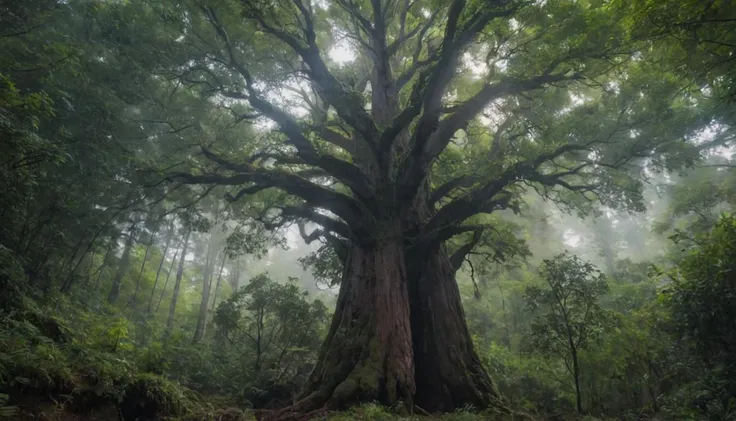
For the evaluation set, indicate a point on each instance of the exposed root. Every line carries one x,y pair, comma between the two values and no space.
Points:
422,411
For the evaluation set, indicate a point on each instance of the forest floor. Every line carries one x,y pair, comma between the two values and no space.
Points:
34,409
47,377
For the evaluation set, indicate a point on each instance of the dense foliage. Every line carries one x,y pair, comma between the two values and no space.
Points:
508,209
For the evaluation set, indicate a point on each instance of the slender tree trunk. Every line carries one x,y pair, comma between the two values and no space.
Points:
368,353
169,237
576,377
177,284
140,273
66,286
259,337
204,303
168,275
505,316
99,231
217,284
110,248
112,297
236,275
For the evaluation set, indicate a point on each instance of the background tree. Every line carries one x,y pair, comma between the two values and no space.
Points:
702,299
571,318
275,328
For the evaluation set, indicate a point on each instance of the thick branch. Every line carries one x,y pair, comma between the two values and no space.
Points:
471,108
447,188
327,223
346,104
482,198
453,45
345,172
338,139
316,195
457,258
340,246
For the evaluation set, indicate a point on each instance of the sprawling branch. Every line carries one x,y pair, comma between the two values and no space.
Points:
472,107
341,205
328,224
416,63
429,145
338,140
463,181
456,39
426,96
345,172
346,104
491,195
457,258
340,246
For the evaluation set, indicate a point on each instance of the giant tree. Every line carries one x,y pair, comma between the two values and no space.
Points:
448,111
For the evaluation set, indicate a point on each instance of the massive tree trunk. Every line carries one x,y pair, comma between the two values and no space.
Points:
399,331
368,352
449,373
376,351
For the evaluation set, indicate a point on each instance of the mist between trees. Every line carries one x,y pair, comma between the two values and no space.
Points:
367,209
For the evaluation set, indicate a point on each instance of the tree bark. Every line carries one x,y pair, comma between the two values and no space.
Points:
177,285
449,373
398,333
368,352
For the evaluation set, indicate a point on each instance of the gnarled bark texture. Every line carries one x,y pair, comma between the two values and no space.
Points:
398,334
449,373
368,352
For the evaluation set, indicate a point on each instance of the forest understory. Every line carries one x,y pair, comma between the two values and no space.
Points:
372,210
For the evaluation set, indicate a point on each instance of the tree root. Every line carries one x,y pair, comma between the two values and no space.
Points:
422,410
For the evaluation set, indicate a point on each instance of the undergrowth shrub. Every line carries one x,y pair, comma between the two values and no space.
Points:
83,359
